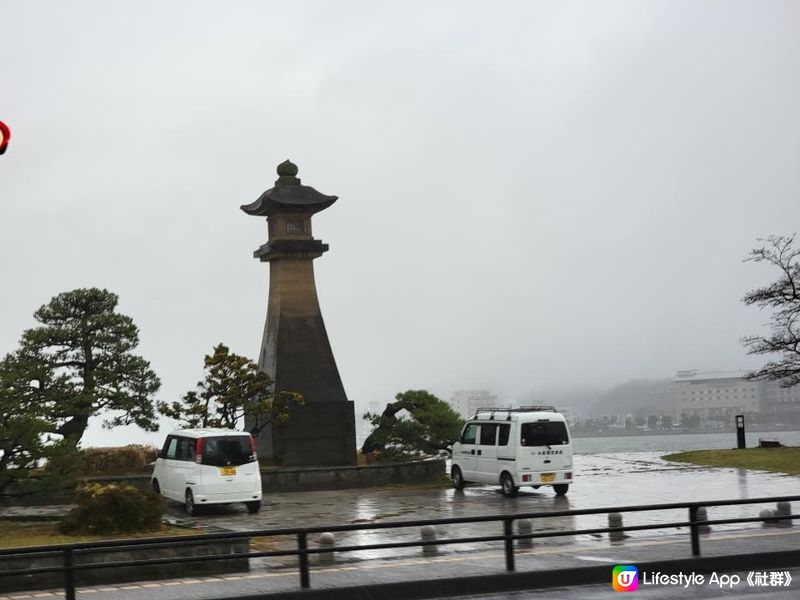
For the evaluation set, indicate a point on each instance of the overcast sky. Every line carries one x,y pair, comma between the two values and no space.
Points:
533,196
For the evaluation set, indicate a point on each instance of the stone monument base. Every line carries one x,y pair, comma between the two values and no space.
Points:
317,434
306,479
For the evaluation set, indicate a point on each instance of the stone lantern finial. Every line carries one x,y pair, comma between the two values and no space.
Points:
287,171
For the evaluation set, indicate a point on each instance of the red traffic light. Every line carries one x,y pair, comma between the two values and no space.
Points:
5,136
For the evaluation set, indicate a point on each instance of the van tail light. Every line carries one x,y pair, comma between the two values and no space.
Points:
253,456
198,450
568,475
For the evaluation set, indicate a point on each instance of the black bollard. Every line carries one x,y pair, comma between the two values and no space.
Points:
740,443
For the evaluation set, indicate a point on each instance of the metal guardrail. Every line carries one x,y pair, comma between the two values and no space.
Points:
302,551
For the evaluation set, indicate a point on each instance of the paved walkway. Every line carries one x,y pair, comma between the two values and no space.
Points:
601,480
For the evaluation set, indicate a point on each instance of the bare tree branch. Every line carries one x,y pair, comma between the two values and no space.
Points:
783,297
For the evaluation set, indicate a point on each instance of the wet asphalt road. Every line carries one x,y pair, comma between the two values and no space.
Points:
601,481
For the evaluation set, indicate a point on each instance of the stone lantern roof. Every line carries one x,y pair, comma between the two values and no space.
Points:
288,195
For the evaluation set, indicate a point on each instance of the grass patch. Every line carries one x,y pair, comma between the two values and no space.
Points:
17,534
779,460
263,544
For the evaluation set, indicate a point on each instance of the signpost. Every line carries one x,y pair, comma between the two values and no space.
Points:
740,443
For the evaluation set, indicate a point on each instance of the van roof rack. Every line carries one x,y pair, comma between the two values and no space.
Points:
521,409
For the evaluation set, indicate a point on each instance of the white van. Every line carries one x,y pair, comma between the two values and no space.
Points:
208,466
526,446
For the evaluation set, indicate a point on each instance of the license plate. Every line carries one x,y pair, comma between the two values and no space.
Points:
547,477
227,471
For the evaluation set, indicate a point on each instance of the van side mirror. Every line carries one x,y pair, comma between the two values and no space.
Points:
160,454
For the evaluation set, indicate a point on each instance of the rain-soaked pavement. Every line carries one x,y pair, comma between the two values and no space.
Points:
601,480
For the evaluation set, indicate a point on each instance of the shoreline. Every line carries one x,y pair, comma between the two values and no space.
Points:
784,459
731,431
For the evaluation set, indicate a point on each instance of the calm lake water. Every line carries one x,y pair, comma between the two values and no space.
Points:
678,442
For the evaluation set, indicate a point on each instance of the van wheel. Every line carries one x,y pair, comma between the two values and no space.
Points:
156,487
561,488
507,483
253,507
191,509
458,478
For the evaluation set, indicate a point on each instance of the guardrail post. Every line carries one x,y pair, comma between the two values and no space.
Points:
617,533
783,510
525,527
768,516
428,534
694,530
508,531
327,541
702,515
69,575
302,555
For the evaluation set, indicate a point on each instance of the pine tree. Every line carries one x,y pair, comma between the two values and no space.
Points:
425,425
83,350
233,394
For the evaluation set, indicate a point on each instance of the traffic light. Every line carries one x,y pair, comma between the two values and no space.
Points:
5,136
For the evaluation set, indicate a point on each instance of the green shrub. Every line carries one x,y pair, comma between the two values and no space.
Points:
122,460
63,469
102,509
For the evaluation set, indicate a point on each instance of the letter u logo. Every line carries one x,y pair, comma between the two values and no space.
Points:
626,578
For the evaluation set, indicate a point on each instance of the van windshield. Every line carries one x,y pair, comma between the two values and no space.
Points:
544,433
226,450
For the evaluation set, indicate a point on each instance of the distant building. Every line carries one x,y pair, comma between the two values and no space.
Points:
466,402
780,404
715,396
569,414
662,397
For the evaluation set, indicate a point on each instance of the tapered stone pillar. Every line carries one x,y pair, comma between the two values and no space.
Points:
295,350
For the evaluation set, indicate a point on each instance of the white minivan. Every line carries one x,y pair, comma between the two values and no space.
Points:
513,447
208,466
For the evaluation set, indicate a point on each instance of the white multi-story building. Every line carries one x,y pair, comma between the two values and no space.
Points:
715,396
466,402
780,403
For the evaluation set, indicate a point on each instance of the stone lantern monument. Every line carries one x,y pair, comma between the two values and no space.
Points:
295,350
